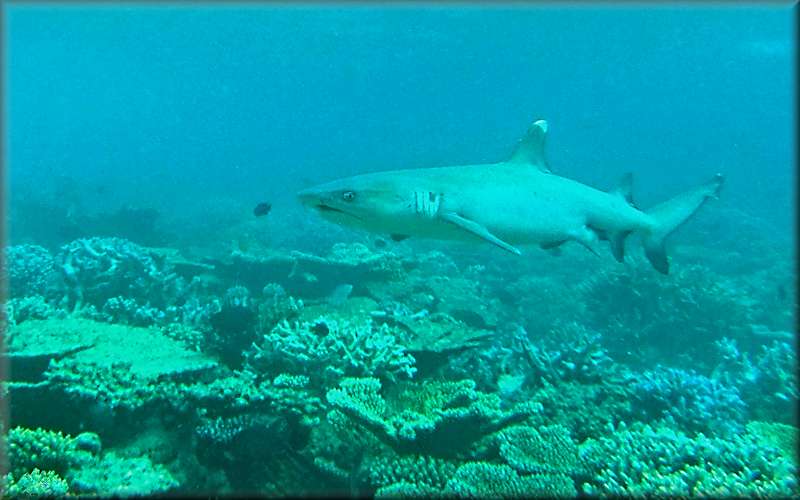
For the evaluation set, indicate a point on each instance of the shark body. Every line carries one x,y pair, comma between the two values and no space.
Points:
511,203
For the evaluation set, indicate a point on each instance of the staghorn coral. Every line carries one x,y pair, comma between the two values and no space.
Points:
438,418
569,352
767,379
643,460
327,350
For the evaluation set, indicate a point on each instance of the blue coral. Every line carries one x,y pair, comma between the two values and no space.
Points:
694,402
645,460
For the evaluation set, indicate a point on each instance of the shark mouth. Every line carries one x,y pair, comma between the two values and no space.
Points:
326,208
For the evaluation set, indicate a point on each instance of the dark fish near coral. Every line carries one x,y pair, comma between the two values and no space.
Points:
262,209
380,243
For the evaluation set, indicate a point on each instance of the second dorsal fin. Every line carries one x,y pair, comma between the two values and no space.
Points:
625,188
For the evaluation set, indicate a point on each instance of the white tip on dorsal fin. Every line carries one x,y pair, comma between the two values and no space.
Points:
530,150
625,188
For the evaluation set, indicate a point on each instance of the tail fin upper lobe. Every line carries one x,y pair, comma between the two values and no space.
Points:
671,214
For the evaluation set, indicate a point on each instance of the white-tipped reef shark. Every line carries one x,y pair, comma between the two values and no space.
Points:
515,202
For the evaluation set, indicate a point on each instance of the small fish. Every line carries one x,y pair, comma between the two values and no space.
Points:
380,243
340,294
262,209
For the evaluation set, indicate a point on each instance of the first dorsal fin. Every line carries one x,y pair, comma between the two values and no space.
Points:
530,150
625,188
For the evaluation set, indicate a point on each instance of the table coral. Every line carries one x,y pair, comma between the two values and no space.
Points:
548,449
486,480
436,418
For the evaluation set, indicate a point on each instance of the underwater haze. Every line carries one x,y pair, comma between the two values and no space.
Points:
177,322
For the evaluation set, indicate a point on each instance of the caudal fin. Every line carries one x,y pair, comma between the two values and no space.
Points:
671,214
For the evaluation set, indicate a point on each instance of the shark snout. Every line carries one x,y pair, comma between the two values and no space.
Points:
309,197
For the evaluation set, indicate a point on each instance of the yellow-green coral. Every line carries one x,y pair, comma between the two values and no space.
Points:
781,436
36,484
30,449
548,449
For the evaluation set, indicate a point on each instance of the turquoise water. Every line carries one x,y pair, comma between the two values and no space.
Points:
163,338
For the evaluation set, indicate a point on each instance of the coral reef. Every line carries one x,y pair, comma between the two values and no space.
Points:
31,271
692,401
395,372
437,418
661,460
48,463
327,350
97,269
485,480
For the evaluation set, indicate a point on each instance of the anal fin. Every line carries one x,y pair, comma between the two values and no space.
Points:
478,230
553,247
617,241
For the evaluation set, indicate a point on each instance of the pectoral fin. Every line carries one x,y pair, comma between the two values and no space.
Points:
478,230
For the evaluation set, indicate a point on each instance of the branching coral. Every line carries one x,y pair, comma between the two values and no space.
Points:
30,449
327,350
659,460
568,352
694,402
767,379
36,484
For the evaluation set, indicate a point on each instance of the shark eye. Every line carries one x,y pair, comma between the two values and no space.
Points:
349,195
